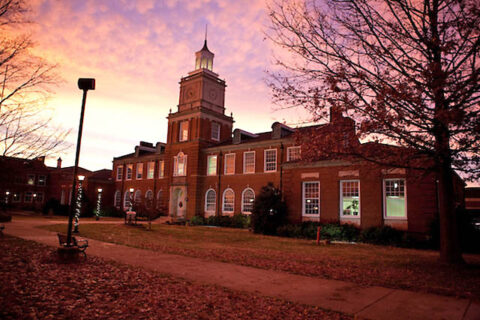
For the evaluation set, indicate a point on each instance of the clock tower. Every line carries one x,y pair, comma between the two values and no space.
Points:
199,122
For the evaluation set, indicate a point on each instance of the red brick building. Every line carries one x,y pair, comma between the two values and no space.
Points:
206,169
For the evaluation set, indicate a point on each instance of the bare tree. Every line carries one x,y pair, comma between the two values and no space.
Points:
25,129
407,71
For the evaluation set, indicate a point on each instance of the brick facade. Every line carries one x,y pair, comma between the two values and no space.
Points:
199,130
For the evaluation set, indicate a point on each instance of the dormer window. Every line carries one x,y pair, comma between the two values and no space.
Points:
183,132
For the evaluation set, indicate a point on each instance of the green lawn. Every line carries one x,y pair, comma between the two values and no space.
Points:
410,269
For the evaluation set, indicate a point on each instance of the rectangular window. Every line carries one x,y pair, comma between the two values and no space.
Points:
17,197
129,171
183,133
249,162
28,197
270,157
139,171
211,165
394,201
180,165
39,197
42,180
150,169
215,131
230,163
293,153
31,179
350,198
119,173
161,169
311,198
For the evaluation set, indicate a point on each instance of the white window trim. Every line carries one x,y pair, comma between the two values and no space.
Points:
303,200
223,201
225,164
158,199
148,167
385,217
243,194
115,199
244,153
215,202
126,200
342,216
161,169
265,160
217,138
138,166
121,173
175,165
216,164
126,172
180,135
290,148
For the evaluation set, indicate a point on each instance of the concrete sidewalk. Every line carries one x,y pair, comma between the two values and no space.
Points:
349,298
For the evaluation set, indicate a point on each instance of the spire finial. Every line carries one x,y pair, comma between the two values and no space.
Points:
206,29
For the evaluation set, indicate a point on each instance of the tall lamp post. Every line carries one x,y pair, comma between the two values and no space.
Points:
84,84
7,193
99,204
78,207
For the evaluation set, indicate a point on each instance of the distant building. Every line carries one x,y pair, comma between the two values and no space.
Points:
29,184
472,199
206,169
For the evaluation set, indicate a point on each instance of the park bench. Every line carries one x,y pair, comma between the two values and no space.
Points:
82,244
2,227
130,217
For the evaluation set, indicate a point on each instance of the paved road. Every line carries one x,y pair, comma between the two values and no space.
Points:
362,302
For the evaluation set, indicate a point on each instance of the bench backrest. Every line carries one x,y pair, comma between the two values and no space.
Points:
63,239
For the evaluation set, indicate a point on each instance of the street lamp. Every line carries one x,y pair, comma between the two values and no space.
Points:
78,207
84,84
7,193
99,204
131,198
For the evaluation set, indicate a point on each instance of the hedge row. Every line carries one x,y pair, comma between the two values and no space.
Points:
235,221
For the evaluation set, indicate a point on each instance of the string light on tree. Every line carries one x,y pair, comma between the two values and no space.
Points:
99,204
78,207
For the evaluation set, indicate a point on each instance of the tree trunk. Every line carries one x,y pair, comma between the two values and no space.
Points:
450,251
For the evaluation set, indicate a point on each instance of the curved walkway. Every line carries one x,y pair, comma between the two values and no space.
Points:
349,298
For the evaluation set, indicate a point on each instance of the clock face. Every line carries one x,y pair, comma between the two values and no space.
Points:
189,93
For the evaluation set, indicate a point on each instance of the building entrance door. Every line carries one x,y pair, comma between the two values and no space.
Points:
178,205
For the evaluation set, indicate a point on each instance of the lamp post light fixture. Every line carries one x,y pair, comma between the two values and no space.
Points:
131,198
78,207
99,204
7,193
84,84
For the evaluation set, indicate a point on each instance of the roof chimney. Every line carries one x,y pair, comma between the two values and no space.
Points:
59,163
335,114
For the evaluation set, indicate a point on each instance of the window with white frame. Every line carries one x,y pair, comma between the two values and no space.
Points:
311,198
394,198
159,199
180,165
149,199
211,165
139,171
248,198
228,201
126,200
249,162
119,173
350,198
210,200
31,179
293,153
270,157
117,200
138,197
150,169
215,131
28,197
183,132
129,171
230,163
161,169
42,180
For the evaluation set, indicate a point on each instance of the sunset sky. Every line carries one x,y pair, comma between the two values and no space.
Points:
138,51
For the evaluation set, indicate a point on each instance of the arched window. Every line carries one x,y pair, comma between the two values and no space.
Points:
228,201
248,197
159,199
210,200
149,199
180,165
138,196
117,200
126,200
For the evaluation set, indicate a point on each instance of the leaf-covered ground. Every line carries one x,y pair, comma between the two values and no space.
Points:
34,285
416,270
